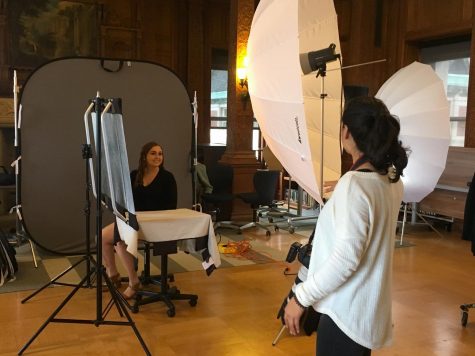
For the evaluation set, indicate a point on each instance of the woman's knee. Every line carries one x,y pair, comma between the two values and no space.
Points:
108,234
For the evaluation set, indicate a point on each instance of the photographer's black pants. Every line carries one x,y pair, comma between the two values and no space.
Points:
334,342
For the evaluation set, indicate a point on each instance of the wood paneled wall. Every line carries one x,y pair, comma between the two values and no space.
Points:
180,34
396,30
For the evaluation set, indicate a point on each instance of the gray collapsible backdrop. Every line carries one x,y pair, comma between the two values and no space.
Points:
156,107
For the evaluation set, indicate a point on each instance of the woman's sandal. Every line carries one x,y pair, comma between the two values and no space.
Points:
135,288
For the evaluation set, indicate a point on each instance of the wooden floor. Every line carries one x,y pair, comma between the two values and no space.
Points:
236,311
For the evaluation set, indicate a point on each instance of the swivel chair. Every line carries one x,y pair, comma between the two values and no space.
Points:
219,203
262,198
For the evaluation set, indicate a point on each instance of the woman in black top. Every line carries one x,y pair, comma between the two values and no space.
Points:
153,188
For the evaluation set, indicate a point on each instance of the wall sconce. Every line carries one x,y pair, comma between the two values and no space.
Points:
242,76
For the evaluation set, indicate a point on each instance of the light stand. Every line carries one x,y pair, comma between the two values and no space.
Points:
317,61
322,72
414,215
194,104
117,300
314,61
310,62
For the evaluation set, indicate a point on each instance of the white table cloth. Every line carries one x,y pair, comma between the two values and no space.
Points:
184,225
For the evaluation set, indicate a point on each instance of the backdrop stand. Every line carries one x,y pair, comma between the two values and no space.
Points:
21,236
99,270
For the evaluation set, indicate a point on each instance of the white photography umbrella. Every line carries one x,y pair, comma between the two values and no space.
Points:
416,95
286,102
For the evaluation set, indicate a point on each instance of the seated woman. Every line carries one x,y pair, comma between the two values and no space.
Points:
153,188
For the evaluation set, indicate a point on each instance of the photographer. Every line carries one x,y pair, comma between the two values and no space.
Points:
349,276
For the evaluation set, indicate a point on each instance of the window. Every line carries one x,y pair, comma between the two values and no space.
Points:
219,97
452,63
219,106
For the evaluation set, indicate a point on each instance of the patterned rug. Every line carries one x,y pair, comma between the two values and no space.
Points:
255,251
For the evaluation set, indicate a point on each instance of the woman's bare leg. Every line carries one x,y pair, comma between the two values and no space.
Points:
108,256
128,262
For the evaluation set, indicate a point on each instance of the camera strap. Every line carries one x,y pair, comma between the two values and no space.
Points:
360,161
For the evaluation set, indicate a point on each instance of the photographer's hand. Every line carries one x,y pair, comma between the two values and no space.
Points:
292,314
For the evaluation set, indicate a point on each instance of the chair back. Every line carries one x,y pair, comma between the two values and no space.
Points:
221,178
265,185
271,160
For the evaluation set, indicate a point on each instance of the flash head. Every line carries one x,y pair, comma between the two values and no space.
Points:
315,60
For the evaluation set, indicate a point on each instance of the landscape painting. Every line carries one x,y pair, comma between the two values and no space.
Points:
43,30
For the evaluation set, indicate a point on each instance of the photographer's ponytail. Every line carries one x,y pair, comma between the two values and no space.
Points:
376,133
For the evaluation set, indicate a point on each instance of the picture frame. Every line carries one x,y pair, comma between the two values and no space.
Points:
43,30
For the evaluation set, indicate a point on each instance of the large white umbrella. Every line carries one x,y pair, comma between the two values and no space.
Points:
416,95
287,103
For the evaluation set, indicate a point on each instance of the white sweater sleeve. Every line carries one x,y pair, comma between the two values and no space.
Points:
351,227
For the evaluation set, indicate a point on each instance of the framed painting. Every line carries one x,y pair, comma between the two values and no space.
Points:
43,30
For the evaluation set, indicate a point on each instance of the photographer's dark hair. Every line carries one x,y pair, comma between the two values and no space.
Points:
376,134
143,162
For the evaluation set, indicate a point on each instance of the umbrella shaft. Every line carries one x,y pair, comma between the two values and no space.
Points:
322,122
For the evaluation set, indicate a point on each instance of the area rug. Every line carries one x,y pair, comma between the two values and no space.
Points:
257,251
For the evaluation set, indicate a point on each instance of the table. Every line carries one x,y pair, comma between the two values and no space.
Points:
159,228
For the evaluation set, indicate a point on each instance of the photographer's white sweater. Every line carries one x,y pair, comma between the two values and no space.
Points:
350,272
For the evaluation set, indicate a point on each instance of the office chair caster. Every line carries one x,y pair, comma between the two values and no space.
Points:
135,306
267,233
171,312
193,302
291,230
276,229
464,310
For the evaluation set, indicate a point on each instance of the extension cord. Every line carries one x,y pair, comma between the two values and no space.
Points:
234,248
227,249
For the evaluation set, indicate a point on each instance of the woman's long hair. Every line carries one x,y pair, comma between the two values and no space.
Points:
143,162
376,134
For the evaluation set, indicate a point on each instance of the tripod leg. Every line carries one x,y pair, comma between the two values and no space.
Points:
51,317
403,223
278,335
54,280
115,295
430,225
123,311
